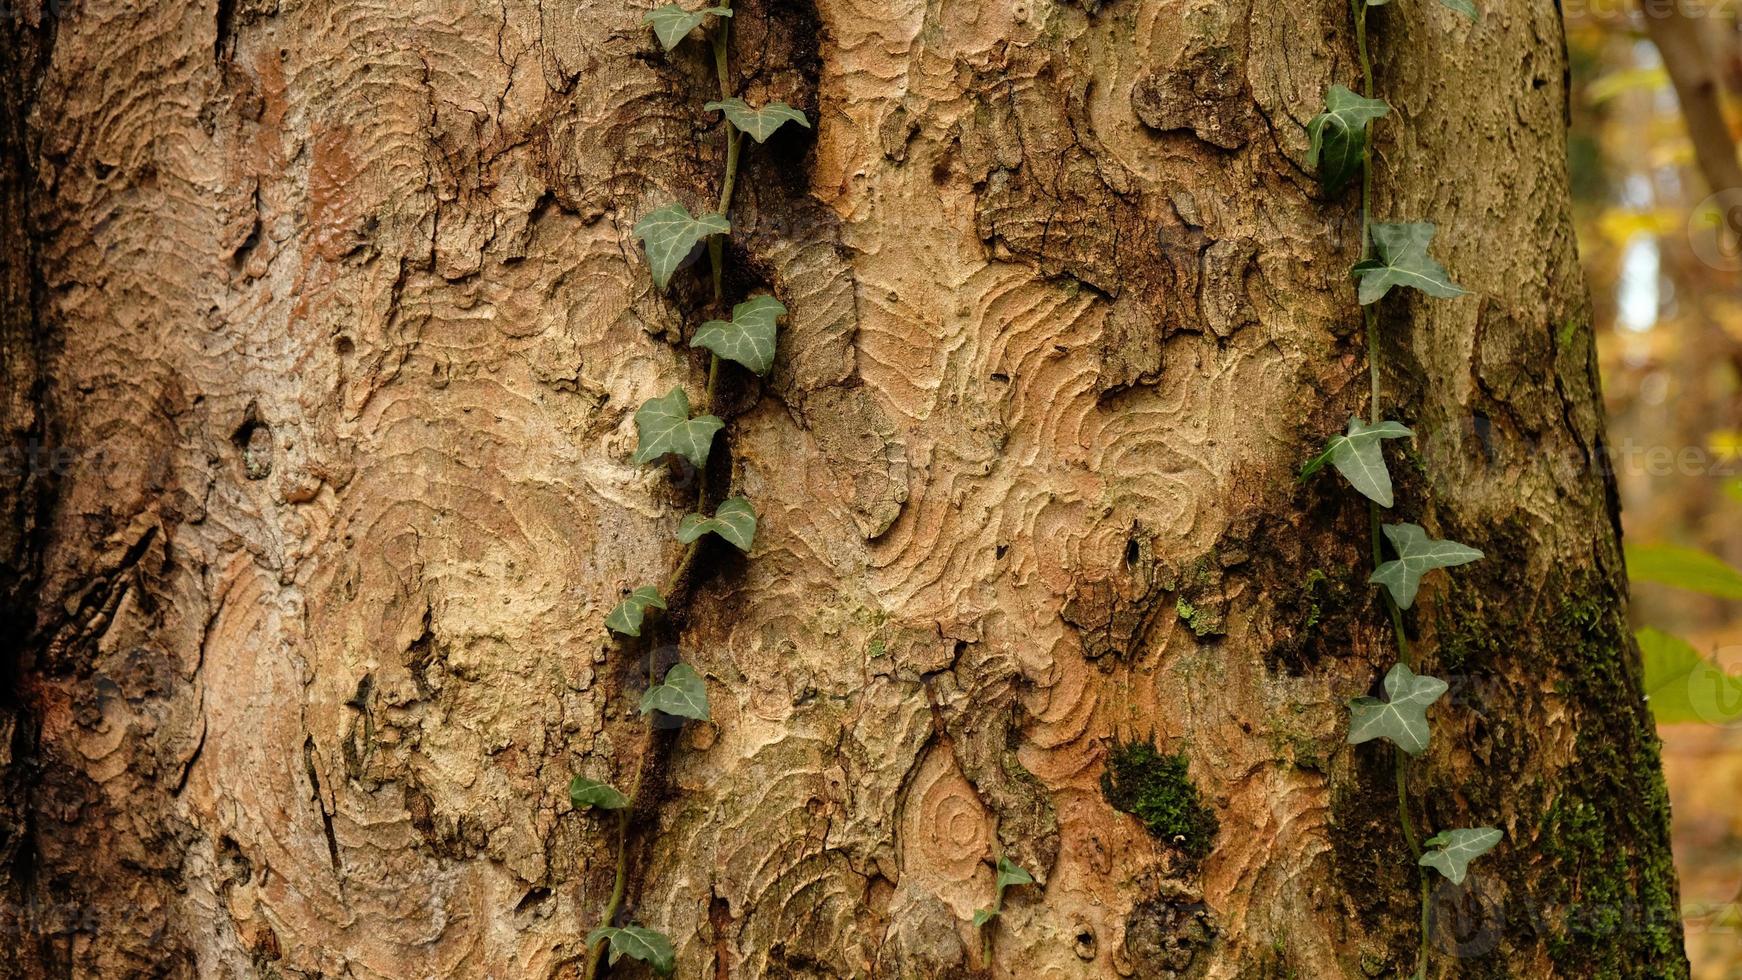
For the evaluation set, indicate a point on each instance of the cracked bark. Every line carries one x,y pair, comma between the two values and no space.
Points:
334,310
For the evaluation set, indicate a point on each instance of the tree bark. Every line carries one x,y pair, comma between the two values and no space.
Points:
335,315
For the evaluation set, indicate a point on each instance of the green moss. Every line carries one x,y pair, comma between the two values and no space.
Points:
1158,790
1202,622
1611,903
1277,965
1187,612
1310,588
1587,865
1298,750
1567,332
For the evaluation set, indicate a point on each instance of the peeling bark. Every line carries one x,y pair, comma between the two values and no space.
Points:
337,315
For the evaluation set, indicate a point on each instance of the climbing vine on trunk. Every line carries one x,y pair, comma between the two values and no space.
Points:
1392,255
669,426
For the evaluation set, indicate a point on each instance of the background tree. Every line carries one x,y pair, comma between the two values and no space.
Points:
336,318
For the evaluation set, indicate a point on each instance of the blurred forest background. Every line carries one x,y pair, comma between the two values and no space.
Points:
1656,119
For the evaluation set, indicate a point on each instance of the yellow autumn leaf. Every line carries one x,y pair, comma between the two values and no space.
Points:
1621,225
1725,444
1627,80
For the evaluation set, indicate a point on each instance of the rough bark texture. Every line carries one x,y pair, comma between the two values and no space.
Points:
24,476
341,329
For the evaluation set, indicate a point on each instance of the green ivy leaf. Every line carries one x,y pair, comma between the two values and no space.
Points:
1402,718
748,338
669,232
584,792
734,520
1684,568
646,945
672,23
1358,456
1339,134
1465,7
1401,259
1457,848
1683,686
1417,554
665,426
683,694
628,615
1010,875
759,123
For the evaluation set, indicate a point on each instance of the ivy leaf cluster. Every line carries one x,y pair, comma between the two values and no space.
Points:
669,233
672,23
1457,848
646,945
1339,136
1392,255
1417,554
1402,717
666,426
761,123
683,694
1357,455
1010,875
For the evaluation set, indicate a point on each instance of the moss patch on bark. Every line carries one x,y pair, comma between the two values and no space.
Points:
1613,901
1599,889
1157,789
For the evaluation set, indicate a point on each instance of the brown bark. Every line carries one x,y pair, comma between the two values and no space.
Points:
348,327
24,483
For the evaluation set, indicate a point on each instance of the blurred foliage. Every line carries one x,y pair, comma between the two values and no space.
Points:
1684,568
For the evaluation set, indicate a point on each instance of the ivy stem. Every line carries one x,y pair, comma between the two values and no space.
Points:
1421,953
722,28
1402,768
620,886
716,256
1376,414
1370,319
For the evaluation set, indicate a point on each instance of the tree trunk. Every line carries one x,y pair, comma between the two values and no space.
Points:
332,319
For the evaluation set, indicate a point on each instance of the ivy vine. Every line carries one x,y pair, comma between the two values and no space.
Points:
1392,256
670,425
1010,875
